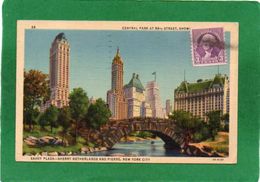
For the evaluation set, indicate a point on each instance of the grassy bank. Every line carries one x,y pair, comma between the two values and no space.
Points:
220,144
38,132
35,150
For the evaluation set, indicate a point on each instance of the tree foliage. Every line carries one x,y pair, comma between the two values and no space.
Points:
36,92
64,120
42,120
186,124
214,118
98,114
31,117
78,105
225,120
51,115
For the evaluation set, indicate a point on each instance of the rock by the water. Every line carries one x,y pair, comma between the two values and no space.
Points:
207,149
32,138
44,153
45,140
62,153
53,154
188,151
215,154
91,149
102,148
84,149
69,153
31,143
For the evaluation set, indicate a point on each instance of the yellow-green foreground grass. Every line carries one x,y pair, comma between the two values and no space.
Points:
38,132
35,150
220,144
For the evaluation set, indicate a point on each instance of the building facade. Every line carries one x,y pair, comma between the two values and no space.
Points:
135,98
115,97
92,100
204,96
168,107
152,97
59,72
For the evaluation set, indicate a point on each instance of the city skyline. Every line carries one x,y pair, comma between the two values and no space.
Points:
142,52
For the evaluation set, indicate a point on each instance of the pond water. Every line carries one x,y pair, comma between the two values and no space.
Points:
149,148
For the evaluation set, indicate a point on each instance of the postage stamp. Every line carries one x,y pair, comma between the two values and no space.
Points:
208,46
126,92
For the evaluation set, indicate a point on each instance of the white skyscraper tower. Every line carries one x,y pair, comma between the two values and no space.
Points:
59,72
152,97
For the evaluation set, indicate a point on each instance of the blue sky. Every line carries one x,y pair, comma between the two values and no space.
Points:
143,52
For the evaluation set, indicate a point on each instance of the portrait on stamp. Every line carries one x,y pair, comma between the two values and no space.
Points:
208,46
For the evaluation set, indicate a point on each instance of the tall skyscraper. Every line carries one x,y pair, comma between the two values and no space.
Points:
135,97
168,107
204,96
59,72
152,97
115,96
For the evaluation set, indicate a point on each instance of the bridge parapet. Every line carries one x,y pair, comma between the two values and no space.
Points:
114,130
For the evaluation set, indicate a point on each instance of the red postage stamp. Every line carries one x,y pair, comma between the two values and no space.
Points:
208,46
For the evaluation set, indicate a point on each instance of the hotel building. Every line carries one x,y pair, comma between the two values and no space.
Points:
59,72
204,96
135,97
115,97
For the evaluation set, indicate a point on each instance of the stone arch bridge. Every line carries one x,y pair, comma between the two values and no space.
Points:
114,130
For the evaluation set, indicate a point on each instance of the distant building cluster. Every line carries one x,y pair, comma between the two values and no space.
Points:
132,100
204,96
135,97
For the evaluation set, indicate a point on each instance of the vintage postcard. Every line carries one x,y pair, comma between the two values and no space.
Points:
127,92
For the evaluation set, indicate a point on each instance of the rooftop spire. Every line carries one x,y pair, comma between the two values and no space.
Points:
117,51
60,36
184,75
117,58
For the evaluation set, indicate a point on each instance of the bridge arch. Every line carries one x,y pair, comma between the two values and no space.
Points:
111,133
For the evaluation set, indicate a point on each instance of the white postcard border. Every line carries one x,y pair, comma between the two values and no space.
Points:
22,25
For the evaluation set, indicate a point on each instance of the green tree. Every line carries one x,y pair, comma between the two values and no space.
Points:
225,117
78,107
42,120
64,120
36,92
214,118
186,125
30,117
51,115
98,114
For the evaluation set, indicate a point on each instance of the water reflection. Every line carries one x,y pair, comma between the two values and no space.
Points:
154,148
